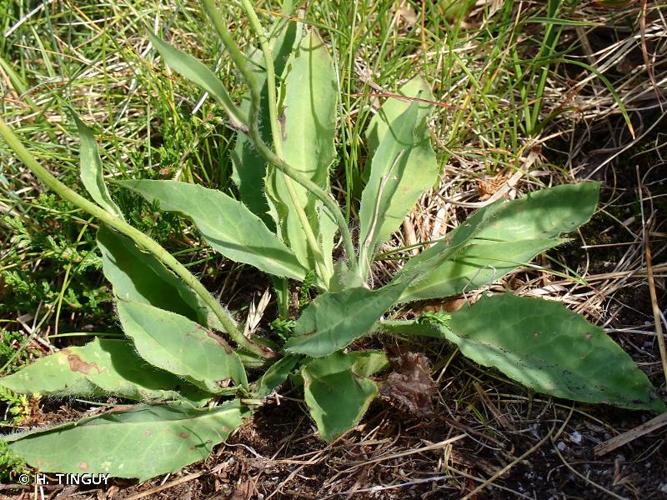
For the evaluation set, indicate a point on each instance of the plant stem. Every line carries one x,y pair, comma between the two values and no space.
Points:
255,98
276,133
137,236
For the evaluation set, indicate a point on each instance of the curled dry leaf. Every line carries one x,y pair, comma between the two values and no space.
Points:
410,387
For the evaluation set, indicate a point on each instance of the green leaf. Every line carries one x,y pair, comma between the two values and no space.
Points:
344,278
336,397
476,265
225,223
195,71
249,166
368,363
308,130
141,443
98,368
335,319
403,165
502,237
550,349
276,375
48,376
180,346
90,169
394,107
139,277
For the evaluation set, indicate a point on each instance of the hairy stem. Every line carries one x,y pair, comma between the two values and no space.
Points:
137,236
276,132
272,157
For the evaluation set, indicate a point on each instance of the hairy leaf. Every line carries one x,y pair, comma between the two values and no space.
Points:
195,71
502,237
225,223
308,129
250,167
403,164
90,169
336,396
548,348
139,277
141,443
100,367
51,375
180,346
344,278
335,319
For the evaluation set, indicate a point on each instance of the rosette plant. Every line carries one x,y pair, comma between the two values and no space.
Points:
183,357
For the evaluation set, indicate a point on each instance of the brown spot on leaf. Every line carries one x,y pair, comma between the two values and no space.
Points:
183,435
83,466
282,120
220,341
76,364
588,336
410,387
121,408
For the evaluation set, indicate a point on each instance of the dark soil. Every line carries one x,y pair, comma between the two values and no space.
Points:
546,447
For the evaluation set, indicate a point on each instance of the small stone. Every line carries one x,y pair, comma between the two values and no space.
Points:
575,437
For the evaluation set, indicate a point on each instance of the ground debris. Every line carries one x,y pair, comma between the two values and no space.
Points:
409,387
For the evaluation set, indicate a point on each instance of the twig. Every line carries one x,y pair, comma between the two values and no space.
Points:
655,307
628,436
592,483
651,279
430,447
502,471
166,486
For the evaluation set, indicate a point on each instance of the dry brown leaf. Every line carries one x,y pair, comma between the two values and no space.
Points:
410,387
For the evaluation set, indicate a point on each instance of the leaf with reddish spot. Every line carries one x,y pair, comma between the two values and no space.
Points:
101,367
